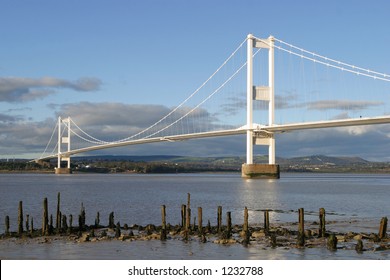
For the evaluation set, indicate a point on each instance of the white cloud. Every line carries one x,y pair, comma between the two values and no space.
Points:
17,89
342,105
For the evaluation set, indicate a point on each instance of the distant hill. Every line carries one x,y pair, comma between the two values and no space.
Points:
127,158
323,160
176,163
321,163
306,160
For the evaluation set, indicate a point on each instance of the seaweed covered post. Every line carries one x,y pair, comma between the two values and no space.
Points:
27,223
20,218
32,226
188,219
97,220
7,225
219,219
383,228
111,223
245,227
266,221
200,221
183,215
188,213
229,224
70,229
45,218
301,228
332,242
64,224
51,225
163,235
322,223
246,216
58,215
118,230
359,246
82,218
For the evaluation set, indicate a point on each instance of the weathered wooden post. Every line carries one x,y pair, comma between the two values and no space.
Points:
7,225
51,225
82,218
359,246
111,222
273,240
229,224
70,229
188,213
188,219
45,218
266,221
27,223
200,221
183,215
245,227
118,230
332,242
20,218
60,222
301,228
219,219
246,224
58,217
322,223
32,226
64,224
97,220
163,235
383,228
80,223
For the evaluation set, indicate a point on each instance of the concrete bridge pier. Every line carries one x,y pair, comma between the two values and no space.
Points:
260,171
63,170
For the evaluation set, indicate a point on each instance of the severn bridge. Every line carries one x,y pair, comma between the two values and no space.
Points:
295,89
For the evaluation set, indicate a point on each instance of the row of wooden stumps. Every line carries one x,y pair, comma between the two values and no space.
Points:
61,225
224,232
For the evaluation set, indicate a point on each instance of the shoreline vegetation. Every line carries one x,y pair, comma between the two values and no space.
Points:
181,164
300,234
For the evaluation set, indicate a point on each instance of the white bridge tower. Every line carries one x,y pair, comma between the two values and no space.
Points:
265,93
63,140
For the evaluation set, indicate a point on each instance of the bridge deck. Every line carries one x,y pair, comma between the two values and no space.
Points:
242,130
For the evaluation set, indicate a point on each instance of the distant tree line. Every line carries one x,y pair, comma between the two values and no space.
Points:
21,166
151,167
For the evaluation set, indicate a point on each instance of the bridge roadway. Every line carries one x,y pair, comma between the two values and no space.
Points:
242,130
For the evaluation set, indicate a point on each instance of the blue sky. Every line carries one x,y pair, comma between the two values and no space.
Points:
68,56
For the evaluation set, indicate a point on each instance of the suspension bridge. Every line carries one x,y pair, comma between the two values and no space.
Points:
257,93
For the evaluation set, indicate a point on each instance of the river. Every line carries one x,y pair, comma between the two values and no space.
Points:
353,202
